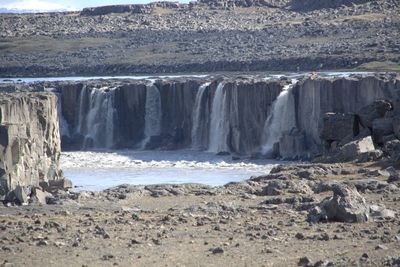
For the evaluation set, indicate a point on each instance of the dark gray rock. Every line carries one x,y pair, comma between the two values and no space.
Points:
380,128
21,195
375,110
337,126
346,205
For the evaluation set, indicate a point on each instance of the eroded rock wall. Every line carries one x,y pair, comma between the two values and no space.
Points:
316,96
29,140
111,114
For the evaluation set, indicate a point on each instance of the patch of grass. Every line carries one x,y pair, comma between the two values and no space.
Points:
363,17
380,66
162,11
47,44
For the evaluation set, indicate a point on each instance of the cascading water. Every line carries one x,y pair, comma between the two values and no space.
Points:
198,123
153,114
281,119
97,125
219,126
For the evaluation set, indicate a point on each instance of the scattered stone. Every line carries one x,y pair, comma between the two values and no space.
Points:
41,243
100,231
217,250
107,257
381,247
304,261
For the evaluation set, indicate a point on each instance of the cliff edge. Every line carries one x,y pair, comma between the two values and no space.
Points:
29,144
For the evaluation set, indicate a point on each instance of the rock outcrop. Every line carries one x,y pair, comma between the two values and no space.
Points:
346,205
29,143
355,101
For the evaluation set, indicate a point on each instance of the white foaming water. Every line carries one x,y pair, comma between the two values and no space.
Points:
81,78
152,114
281,118
197,124
98,170
219,125
97,124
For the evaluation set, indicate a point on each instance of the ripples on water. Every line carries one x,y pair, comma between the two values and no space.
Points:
97,170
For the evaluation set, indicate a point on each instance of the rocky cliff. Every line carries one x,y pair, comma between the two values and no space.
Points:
242,115
314,97
219,115
29,141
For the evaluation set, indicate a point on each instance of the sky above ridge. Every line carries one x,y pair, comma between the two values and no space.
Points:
43,5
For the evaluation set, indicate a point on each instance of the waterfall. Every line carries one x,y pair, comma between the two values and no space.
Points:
281,119
219,126
82,110
152,114
97,125
198,123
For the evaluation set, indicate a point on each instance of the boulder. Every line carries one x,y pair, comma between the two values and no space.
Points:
60,184
392,149
379,211
394,175
380,128
375,110
337,126
21,195
353,150
40,196
346,205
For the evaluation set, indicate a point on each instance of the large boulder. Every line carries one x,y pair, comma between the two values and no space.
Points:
380,128
346,205
373,111
337,126
392,149
353,150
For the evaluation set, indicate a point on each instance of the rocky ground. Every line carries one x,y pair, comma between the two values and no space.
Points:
203,37
306,215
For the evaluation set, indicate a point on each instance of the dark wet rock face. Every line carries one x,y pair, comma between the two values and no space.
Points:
167,114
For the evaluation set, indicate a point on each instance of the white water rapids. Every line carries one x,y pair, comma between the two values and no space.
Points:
98,170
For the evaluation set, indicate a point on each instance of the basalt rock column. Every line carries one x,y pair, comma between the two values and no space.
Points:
29,140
